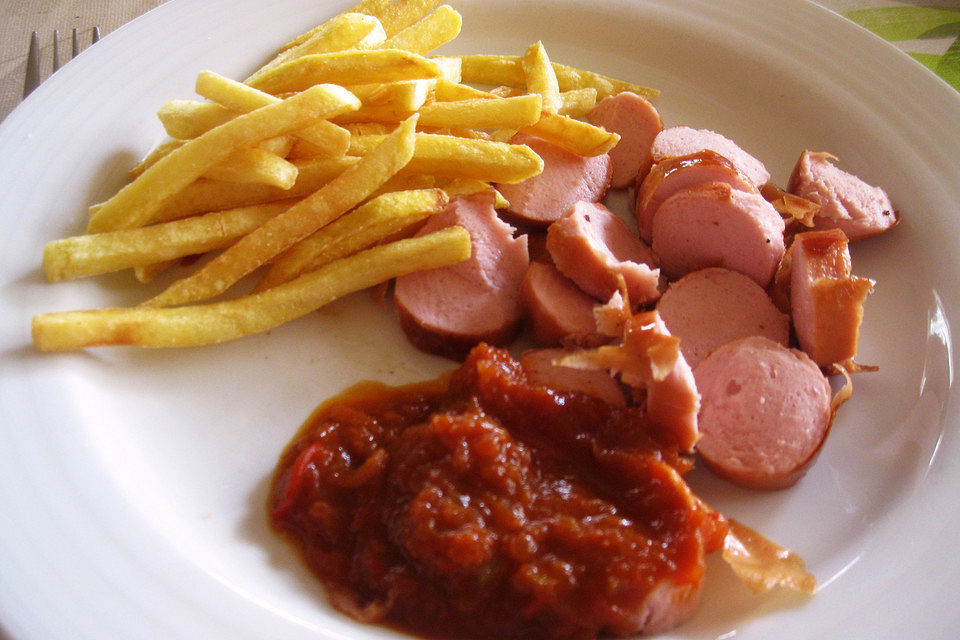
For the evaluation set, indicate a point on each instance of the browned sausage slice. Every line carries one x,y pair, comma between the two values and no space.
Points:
708,308
541,368
555,307
638,123
592,246
448,310
566,178
826,301
682,141
715,225
676,173
765,411
846,202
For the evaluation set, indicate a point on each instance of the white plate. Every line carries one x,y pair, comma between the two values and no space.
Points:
133,483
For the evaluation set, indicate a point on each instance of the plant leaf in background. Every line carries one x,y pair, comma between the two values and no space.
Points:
916,23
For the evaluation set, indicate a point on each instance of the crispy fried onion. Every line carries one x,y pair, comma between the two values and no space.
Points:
762,564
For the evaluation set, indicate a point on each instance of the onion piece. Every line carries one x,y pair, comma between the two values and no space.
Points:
763,564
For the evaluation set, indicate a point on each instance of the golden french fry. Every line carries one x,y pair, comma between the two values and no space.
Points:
187,119
137,203
345,31
147,272
204,196
449,91
239,98
390,102
482,113
540,77
279,233
508,70
449,67
574,135
436,29
347,67
457,157
367,7
254,166
214,323
402,13
466,186
577,102
93,254
280,145
158,152
366,225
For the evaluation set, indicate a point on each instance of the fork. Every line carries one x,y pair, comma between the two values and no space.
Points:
32,80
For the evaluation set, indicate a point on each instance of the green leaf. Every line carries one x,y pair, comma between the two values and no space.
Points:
949,66
929,60
908,23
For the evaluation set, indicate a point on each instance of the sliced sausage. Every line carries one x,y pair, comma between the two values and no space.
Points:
592,246
448,310
682,141
638,123
765,412
682,172
566,178
708,308
846,202
556,308
826,301
715,225
673,403
541,368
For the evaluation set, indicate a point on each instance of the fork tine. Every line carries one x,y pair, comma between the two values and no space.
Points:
33,65
75,45
56,49
96,35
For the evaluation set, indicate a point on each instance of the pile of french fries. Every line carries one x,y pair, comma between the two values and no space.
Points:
315,171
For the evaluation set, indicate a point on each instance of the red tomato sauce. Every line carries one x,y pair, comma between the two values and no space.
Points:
483,506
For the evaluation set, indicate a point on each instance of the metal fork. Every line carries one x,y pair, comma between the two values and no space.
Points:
32,80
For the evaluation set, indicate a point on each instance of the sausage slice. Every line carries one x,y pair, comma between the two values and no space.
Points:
708,308
715,225
555,307
676,173
846,202
566,178
592,246
682,141
638,123
826,301
765,411
541,368
449,310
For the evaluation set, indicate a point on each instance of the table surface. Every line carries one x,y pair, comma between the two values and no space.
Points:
18,18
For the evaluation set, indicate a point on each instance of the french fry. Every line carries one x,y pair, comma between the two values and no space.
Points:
158,152
136,204
574,135
466,186
204,195
346,31
540,77
93,254
368,7
239,98
254,166
390,102
279,233
402,13
214,323
347,67
436,29
365,226
482,113
577,102
456,157
508,70
449,67
187,119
